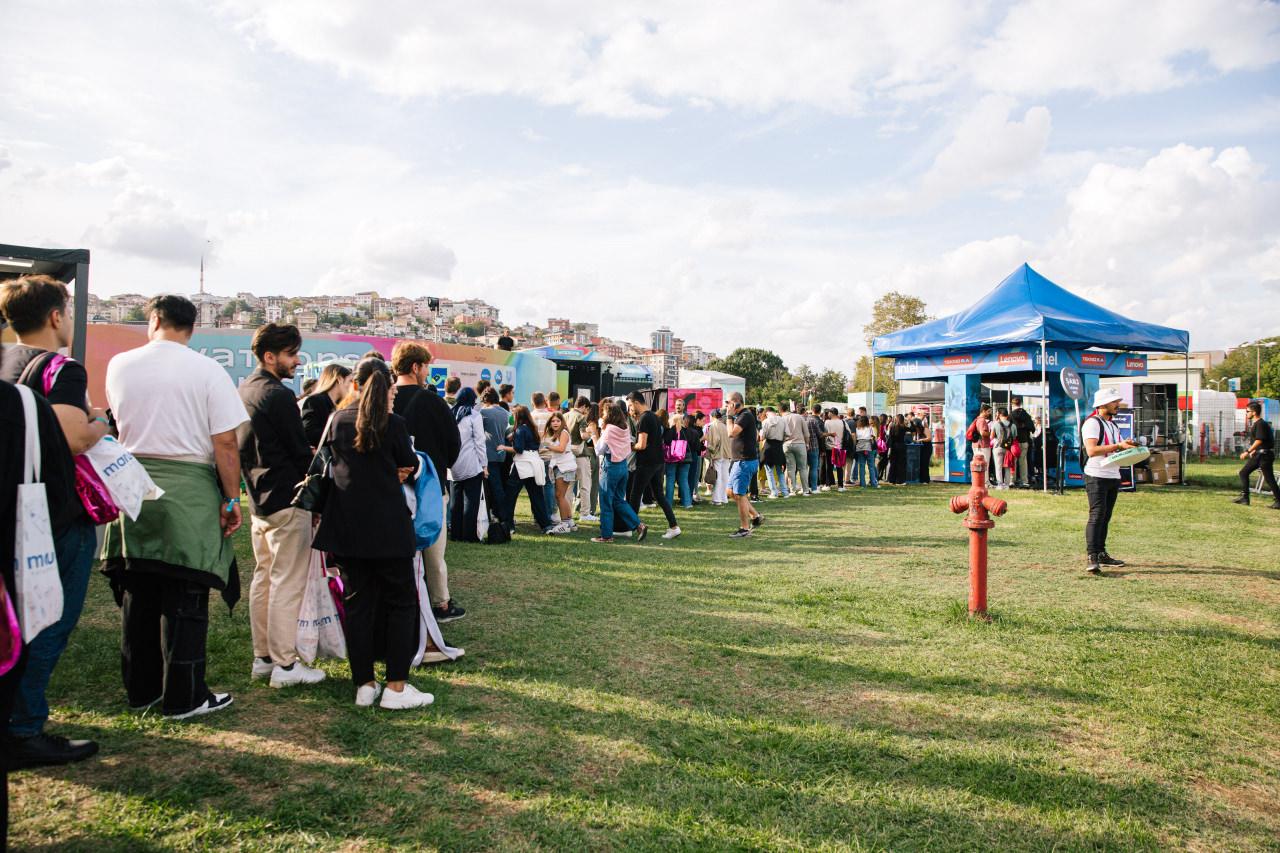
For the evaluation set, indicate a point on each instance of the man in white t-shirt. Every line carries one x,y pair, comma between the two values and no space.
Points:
1101,437
177,411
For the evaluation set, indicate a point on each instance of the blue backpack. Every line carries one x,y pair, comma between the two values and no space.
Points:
427,520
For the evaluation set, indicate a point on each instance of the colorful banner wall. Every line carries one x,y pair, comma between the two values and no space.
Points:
230,348
1020,359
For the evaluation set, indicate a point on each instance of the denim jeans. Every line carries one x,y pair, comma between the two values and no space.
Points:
815,468
694,477
613,499
75,549
496,496
866,462
678,474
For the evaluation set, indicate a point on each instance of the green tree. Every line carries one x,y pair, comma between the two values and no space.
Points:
891,313
758,366
830,385
471,330
135,315
1243,362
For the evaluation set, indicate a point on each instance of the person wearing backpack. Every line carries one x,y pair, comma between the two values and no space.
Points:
35,307
1100,437
1026,428
1001,441
979,435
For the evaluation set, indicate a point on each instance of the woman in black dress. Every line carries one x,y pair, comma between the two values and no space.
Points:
897,441
366,524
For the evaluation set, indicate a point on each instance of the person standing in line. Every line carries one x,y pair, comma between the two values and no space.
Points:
452,386
496,420
366,524
562,468
718,457
773,431
795,449
649,461
525,439
979,434
35,308
897,440
583,432
865,442
274,458
1000,443
1101,482
617,517
815,441
470,468
507,396
323,399
177,412
695,423
1026,430
746,461
834,427
540,412
1259,455
435,433
882,434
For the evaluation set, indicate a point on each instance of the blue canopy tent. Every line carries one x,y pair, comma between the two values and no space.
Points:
1026,309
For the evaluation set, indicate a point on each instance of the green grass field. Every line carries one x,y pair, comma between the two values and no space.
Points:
817,686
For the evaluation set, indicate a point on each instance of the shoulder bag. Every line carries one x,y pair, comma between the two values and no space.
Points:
313,492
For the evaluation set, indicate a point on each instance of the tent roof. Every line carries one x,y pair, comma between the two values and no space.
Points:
29,260
1027,308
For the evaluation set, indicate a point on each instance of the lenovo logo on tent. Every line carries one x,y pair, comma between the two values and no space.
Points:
1093,359
1010,359
1135,364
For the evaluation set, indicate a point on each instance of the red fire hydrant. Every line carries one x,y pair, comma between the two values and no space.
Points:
978,503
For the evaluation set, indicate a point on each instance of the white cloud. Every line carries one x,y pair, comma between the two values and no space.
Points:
145,222
399,259
988,147
1124,48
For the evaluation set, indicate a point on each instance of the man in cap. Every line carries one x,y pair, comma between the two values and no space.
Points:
1101,436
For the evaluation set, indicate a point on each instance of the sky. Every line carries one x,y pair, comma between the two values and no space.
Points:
747,173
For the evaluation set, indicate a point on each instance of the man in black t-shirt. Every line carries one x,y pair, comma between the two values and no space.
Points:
35,307
744,451
650,461
1261,454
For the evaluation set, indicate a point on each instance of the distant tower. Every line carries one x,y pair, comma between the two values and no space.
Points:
202,275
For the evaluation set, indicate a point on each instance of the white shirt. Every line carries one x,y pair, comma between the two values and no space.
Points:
169,399
1105,432
472,457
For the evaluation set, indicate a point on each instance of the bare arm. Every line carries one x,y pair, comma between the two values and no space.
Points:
226,457
81,432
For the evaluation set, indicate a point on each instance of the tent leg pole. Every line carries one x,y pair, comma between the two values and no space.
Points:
1186,422
1046,423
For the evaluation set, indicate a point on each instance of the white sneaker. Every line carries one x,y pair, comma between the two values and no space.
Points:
261,668
588,517
626,534
841,489
215,702
409,697
773,497
367,694
299,673
437,656
672,533
555,517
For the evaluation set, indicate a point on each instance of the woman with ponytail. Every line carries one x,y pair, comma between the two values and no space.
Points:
366,524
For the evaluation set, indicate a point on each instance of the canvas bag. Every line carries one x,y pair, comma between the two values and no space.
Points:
676,450
123,475
320,632
38,586
427,625
92,492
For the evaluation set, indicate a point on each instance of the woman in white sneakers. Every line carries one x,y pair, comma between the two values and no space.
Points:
562,467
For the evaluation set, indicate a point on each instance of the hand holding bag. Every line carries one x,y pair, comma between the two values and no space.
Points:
123,475
320,631
38,584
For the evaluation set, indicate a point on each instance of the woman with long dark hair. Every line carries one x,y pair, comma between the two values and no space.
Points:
366,524
614,449
897,441
469,469
524,471
317,406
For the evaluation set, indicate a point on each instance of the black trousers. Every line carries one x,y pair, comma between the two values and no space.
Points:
1265,460
465,508
1102,492
162,651
650,475
374,589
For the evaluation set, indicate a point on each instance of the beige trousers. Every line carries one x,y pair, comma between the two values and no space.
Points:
282,550
433,560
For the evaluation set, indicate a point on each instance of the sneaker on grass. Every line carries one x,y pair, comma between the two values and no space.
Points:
296,673
757,521
261,668
404,699
447,612
215,702
672,533
740,533
367,694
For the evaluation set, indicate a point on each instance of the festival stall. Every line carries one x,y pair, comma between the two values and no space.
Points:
1026,330
231,349
66,265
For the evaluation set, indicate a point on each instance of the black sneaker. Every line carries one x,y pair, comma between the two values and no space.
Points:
1274,505
1243,500
641,532
1094,567
1105,559
740,533
450,612
757,521
45,750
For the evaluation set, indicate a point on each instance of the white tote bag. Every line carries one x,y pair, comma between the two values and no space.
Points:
38,586
123,475
427,625
482,518
319,628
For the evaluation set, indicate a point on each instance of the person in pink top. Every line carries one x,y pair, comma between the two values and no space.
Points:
614,449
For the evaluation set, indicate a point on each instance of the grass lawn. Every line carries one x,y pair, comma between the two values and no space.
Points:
816,686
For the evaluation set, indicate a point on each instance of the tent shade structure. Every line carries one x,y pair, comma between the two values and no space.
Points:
63,264
1027,329
1024,308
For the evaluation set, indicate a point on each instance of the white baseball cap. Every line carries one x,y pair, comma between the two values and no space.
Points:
1106,395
